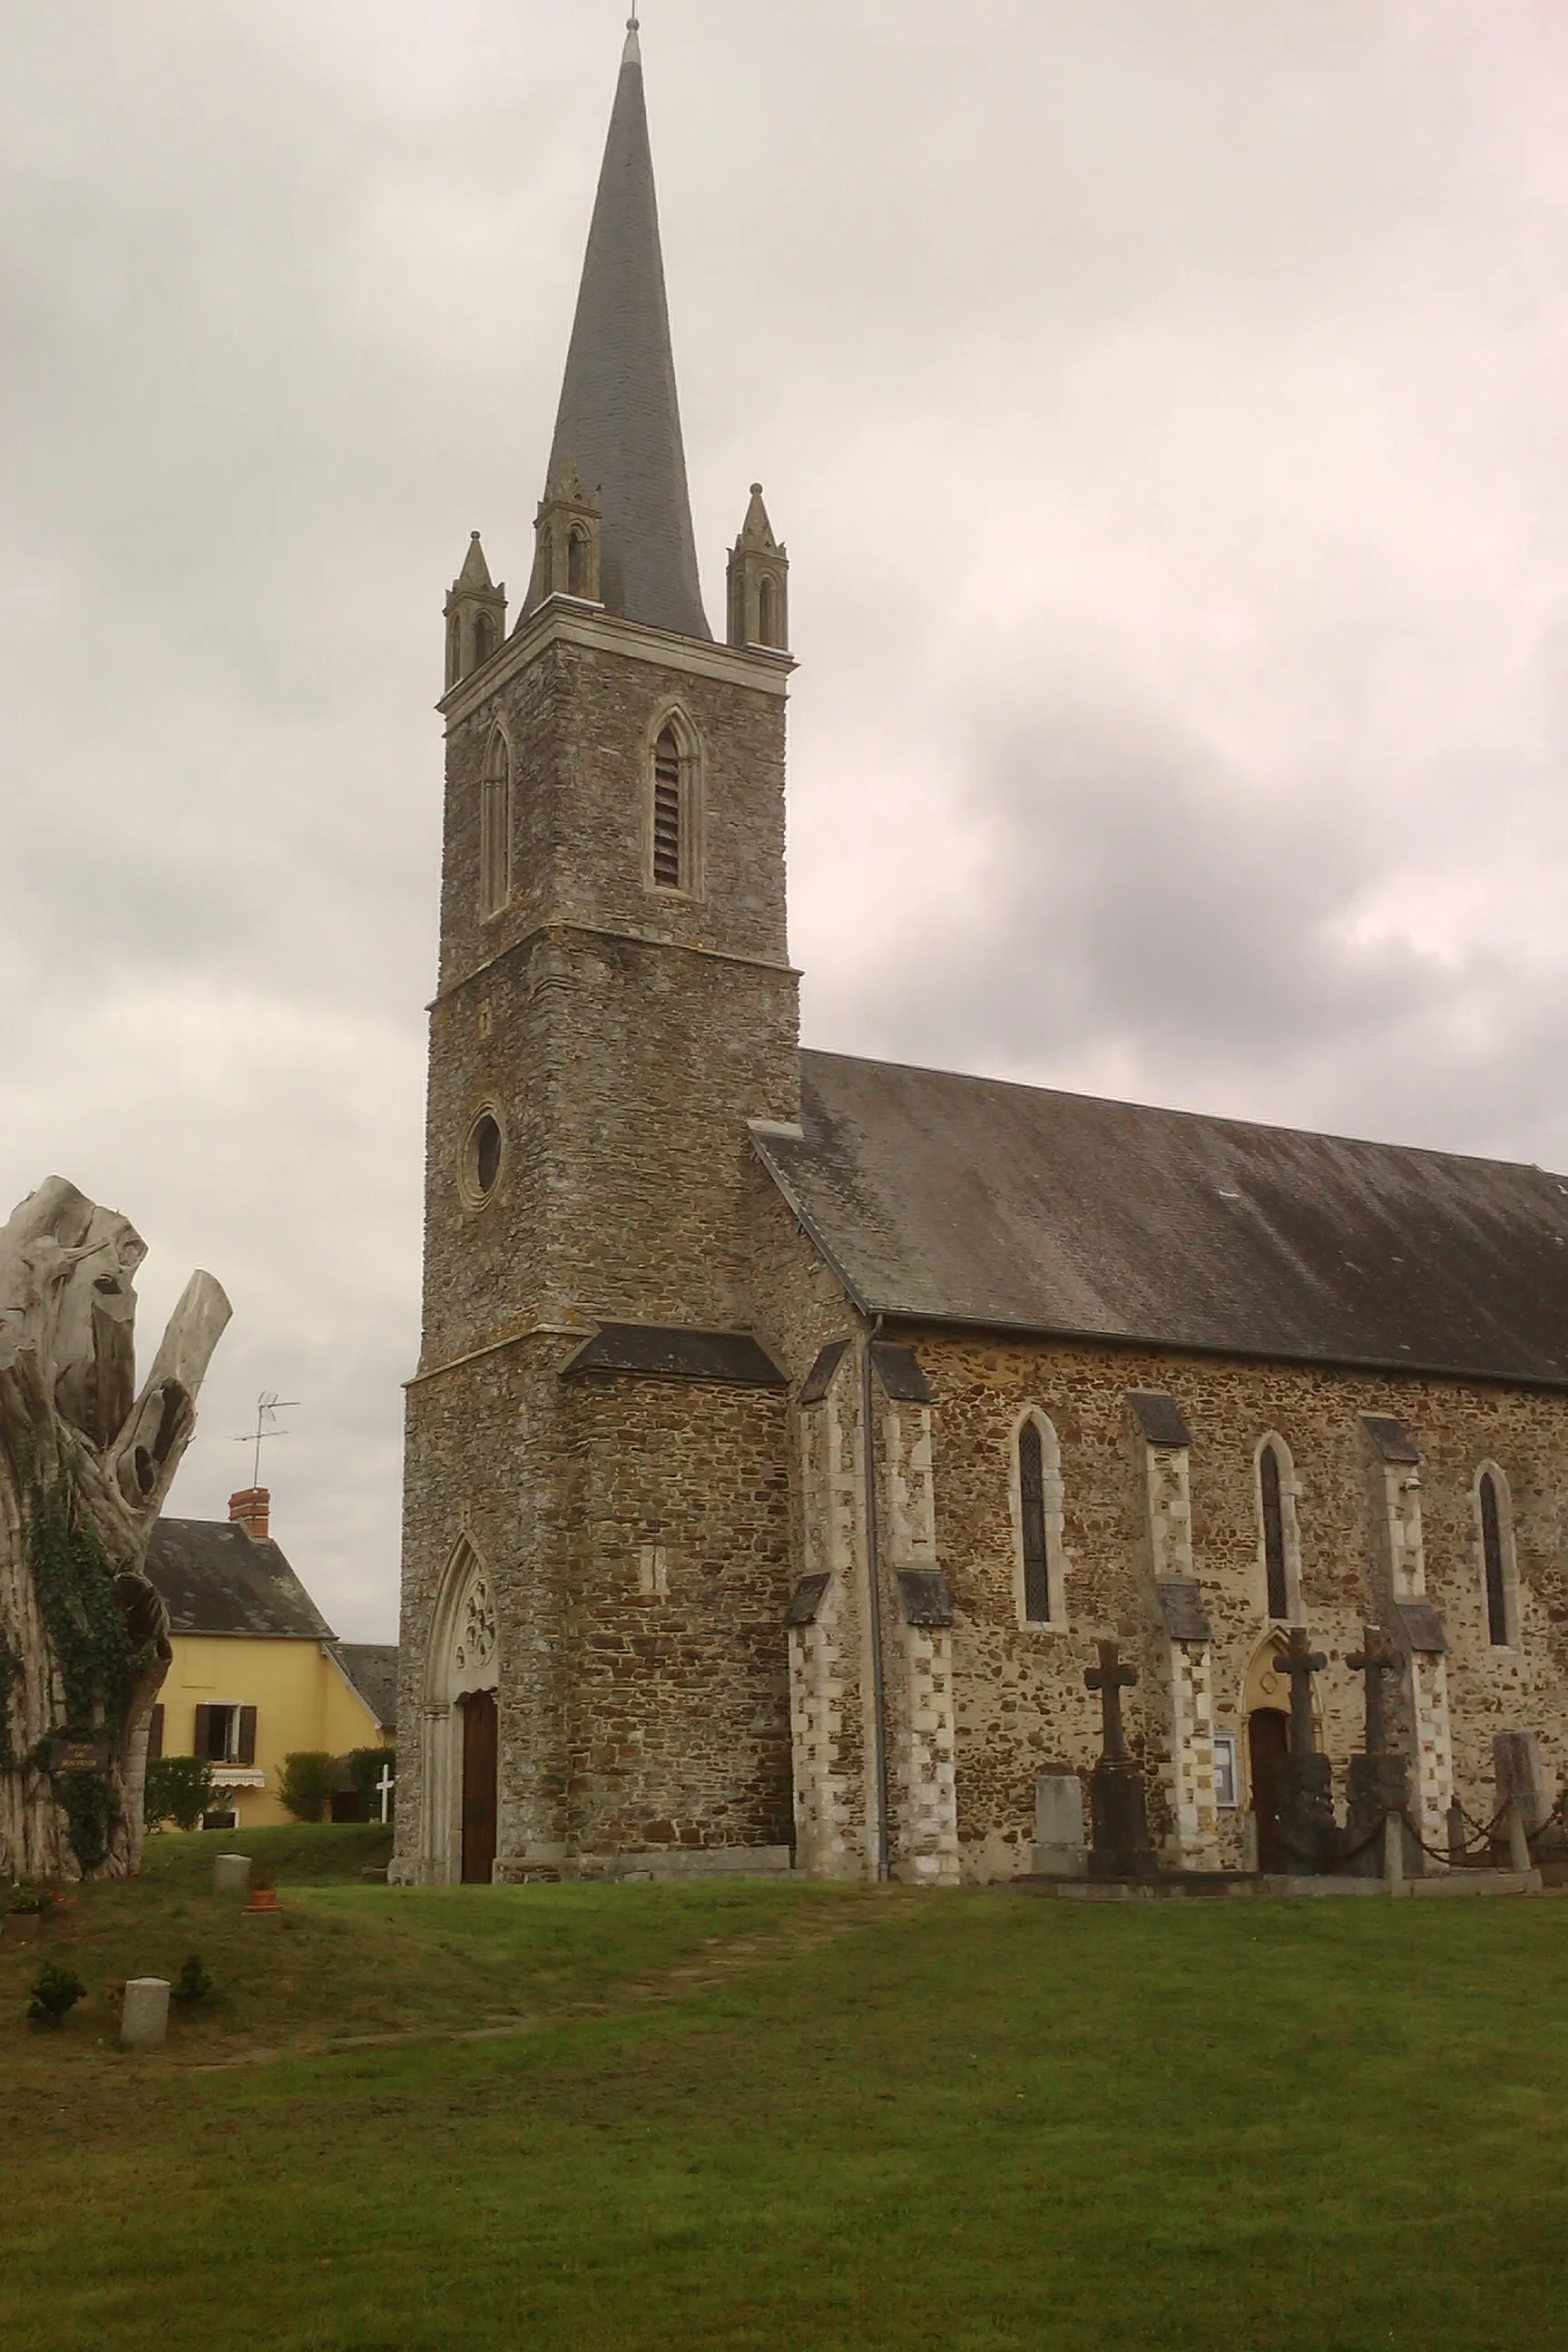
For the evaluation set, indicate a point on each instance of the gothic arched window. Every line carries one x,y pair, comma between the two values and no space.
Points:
495,826
1036,1483
577,565
1273,1511
668,813
1496,1559
1031,1513
483,641
767,612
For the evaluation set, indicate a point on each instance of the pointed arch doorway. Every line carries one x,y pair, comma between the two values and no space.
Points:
1266,1707
1268,1745
482,1753
458,1832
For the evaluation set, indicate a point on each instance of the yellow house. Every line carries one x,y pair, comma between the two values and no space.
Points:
258,1674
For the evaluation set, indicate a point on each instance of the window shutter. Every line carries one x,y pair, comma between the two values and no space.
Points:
204,1738
247,1736
155,1734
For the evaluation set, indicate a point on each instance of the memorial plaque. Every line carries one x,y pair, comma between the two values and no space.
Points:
78,1756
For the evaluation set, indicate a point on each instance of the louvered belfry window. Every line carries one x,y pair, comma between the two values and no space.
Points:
1491,1549
1274,1534
666,812
1032,1509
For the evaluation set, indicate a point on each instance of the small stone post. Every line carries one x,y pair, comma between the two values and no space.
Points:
1249,1841
1394,1855
145,2020
1517,1840
231,1873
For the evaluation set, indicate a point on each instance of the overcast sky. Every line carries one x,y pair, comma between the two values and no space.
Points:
1165,403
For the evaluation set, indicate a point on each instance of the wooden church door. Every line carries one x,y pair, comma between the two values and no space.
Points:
1268,1745
480,1756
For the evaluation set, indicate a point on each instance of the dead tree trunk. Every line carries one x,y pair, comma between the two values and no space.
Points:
85,1465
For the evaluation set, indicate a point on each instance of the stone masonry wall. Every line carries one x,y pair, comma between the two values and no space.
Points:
679,1726
1021,1701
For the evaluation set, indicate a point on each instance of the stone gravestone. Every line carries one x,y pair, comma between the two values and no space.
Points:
1118,1801
1521,1777
1307,1824
144,2021
231,1873
1524,1798
1379,1779
1059,1850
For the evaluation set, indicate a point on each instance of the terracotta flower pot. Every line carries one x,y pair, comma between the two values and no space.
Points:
263,1898
24,1926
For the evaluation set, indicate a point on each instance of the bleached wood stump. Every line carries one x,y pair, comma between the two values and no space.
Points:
85,1463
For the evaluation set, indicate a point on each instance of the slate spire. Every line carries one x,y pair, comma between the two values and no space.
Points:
619,418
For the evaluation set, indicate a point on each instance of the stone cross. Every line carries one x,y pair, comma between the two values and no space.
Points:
1375,1658
1300,1661
1110,1678
384,1788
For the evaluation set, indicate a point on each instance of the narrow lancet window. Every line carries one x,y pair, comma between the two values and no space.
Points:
1032,1510
1491,1554
495,827
1274,1534
667,861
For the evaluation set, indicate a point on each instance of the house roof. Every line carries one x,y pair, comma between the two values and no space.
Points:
215,1578
944,1199
372,1667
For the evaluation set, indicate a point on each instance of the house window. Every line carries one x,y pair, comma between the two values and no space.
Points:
1499,1576
1225,1794
1039,1565
225,1735
155,1734
495,826
668,860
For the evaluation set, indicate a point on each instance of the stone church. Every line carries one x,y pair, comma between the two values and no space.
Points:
789,1427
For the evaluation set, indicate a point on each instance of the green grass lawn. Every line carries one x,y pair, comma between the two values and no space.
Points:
797,2118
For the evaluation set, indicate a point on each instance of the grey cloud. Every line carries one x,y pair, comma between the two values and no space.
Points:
1215,349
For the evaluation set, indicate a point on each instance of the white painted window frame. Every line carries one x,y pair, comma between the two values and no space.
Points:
1055,1493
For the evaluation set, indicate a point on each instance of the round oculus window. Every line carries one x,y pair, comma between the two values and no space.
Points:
482,1158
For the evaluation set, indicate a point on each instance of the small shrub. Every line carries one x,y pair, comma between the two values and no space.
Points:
307,1782
364,1768
179,1789
41,1903
194,1982
55,1991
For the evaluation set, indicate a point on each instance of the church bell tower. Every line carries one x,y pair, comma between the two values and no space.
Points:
614,1003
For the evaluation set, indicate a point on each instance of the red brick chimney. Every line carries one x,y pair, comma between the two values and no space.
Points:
250,1509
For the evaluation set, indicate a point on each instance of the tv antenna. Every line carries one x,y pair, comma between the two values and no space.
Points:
269,1405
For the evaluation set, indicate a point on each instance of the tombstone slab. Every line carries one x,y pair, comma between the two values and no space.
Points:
1059,1850
144,2021
231,1873
1521,1777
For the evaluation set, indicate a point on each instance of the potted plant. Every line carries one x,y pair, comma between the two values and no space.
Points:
25,1919
263,1891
